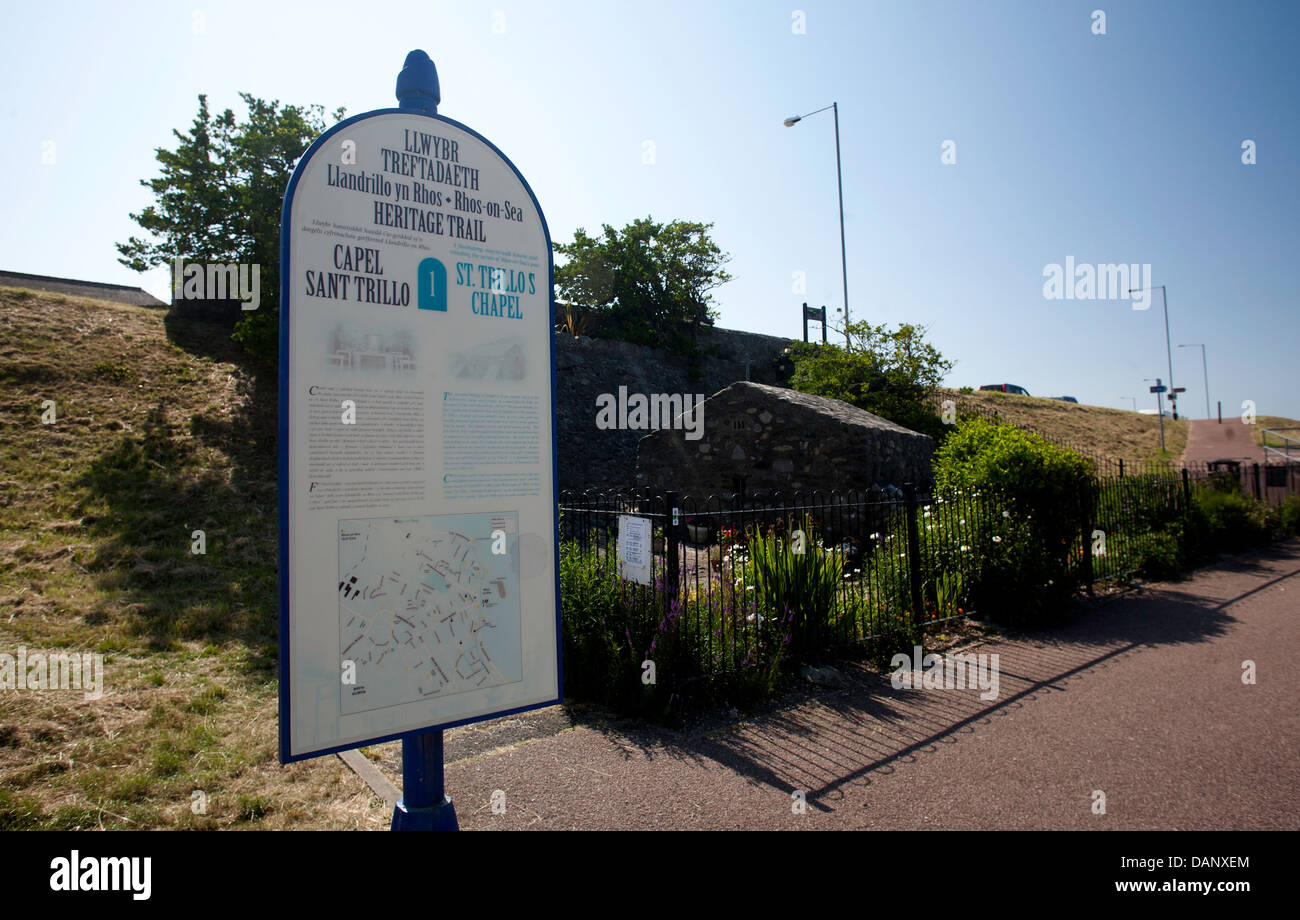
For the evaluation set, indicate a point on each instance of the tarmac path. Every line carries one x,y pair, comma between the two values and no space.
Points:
1208,440
1141,698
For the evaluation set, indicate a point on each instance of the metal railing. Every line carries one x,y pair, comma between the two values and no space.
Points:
739,580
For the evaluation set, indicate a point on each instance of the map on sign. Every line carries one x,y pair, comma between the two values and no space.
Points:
428,607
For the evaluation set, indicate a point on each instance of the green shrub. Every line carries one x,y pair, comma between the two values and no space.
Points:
592,615
1289,514
1162,555
1024,574
1022,550
981,455
1230,522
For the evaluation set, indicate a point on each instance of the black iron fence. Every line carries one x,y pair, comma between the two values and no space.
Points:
736,582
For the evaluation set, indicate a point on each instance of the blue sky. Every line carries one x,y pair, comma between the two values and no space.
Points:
1117,148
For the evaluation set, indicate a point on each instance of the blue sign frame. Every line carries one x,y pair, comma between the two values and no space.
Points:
283,436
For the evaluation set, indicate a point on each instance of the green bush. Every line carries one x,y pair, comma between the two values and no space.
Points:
595,662
1024,575
1229,522
1289,515
1022,555
981,455
1162,555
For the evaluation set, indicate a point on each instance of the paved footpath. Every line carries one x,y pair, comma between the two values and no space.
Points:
1209,440
1141,698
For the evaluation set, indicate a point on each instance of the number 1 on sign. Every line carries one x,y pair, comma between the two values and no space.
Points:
432,285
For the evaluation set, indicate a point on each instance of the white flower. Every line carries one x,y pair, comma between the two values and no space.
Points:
875,536
1006,514
997,539
965,548
962,521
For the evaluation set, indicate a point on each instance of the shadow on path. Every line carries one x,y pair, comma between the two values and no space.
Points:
820,742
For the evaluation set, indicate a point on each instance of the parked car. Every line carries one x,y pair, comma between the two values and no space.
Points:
1006,388
1065,399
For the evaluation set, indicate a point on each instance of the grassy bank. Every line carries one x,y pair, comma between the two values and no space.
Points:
152,439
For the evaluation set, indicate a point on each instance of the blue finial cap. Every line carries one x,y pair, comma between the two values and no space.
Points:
417,84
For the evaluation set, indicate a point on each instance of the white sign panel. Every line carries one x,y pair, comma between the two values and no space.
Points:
634,548
417,481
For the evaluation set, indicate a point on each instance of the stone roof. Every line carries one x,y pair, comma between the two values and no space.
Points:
96,290
838,409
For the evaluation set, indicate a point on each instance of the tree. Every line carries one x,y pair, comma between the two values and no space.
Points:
219,196
892,374
648,283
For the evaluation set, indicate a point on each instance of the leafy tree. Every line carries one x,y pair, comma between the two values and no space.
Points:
892,374
219,196
648,283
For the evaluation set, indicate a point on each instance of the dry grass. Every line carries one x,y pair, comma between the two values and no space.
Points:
152,440
1263,422
1114,433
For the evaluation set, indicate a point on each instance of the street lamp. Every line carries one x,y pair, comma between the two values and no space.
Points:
1169,352
1205,374
839,180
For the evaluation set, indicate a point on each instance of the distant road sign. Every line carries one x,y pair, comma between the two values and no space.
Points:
1160,389
1180,389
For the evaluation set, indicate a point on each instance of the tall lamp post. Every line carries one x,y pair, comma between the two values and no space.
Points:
1205,374
839,180
1169,352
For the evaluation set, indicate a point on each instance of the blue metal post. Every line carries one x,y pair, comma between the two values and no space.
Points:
425,805
417,84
